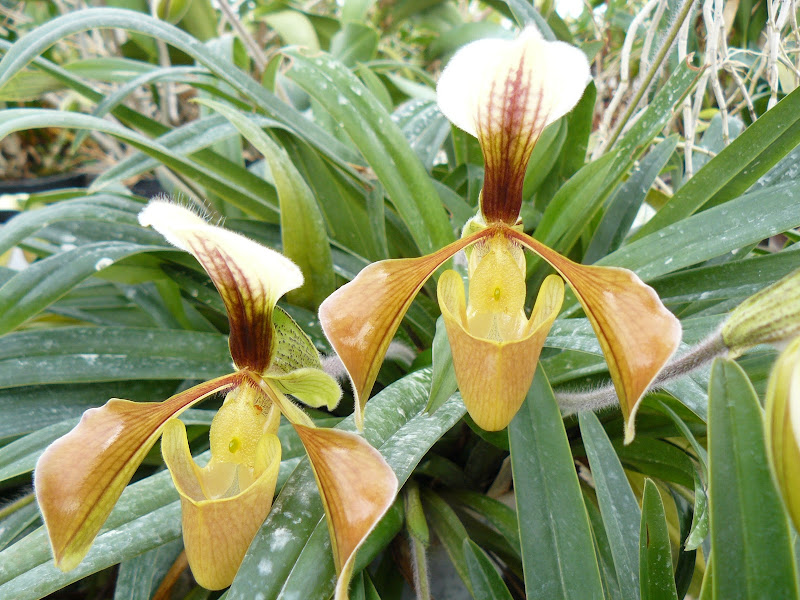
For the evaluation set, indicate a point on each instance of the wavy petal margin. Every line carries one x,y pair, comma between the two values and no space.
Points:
505,92
361,317
493,376
357,487
637,333
81,475
250,277
217,532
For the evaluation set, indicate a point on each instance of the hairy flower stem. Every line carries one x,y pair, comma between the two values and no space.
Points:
605,396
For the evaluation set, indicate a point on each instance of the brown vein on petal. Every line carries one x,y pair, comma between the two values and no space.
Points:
361,317
251,336
69,496
507,142
637,333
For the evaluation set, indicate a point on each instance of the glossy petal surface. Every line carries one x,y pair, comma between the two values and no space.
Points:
637,333
494,374
361,317
81,475
505,92
219,524
357,487
250,277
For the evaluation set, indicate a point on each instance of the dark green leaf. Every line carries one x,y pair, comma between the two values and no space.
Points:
655,555
749,528
557,549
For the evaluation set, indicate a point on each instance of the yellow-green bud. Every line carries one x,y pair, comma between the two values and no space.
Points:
772,316
170,11
783,425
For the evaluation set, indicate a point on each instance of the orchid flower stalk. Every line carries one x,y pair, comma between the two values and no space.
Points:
81,475
504,92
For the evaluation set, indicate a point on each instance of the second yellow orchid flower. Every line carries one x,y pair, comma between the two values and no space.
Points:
81,475
505,92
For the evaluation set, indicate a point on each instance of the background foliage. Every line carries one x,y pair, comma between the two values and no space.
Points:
315,127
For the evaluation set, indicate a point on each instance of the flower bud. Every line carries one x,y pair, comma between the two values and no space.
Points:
170,11
772,316
783,425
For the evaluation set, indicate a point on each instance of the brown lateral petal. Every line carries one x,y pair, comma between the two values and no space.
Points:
357,487
81,475
636,331
494,376
361,317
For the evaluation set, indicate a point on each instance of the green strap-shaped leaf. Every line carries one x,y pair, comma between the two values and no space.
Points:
90,354
29,48
303,234
381,142
139,577
557,549
750,538
627,200
486,581
731,172
713,232
618,506
234,190
655,555
293,545
32,290
99,207
443,381
578,200
451,533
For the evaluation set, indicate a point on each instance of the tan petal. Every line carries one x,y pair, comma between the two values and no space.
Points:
81,475
250,277
361,317
218,531
637,333
494,376
506,92
357,487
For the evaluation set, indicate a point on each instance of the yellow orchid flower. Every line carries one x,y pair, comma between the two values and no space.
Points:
505,92
81,475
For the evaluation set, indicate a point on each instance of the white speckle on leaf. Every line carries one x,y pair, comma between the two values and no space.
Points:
103,263
264,568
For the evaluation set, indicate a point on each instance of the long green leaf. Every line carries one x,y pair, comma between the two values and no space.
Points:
731,172
30,47
557,549
233,190
750,537
381,142
618,506
713,232
35,288
655,555
303,235
486,581
90,354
